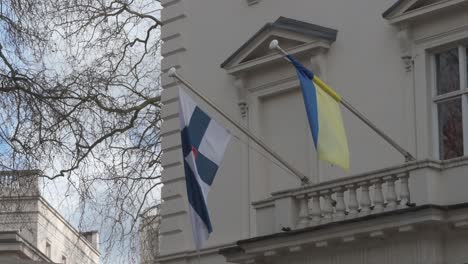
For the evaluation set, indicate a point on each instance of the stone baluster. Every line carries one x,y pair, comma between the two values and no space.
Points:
405,192
340,207
327,206
315,212
391,193
303,218
378,196
353,204
365,198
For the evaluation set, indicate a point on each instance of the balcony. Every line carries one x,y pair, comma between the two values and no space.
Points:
417,211
390,189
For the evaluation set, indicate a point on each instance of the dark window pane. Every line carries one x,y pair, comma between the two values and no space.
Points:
448,71
450,129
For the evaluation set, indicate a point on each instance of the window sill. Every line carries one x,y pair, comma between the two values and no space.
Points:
453,162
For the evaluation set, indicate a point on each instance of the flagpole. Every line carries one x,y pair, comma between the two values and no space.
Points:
408,157
173,73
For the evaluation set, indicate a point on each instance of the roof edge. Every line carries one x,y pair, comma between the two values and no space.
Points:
392,8
288,24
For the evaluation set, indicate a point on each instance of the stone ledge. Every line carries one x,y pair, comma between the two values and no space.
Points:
166,3
193,253
352,231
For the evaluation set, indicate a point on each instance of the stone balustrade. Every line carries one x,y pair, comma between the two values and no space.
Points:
350,199
19,183
8,180
341,199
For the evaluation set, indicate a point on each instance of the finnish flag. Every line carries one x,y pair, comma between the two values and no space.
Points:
203,143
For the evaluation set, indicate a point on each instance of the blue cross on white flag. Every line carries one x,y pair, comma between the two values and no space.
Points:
203,143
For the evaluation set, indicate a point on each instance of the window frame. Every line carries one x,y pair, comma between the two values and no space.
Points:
461,93
48,249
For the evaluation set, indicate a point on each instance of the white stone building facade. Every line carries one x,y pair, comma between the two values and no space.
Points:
401,63
32,230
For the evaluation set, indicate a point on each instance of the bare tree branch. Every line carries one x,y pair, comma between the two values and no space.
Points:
80,100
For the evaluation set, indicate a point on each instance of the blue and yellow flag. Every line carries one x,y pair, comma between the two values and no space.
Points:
325,121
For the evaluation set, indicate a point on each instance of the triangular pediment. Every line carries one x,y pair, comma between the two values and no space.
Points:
293,35
410,10
264,50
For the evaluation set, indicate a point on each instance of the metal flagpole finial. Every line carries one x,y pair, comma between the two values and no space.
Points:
274,44
172,72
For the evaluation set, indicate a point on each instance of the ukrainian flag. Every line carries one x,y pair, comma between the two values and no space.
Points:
325,121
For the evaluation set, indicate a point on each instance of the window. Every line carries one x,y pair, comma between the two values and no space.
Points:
451,99
48,250
64,260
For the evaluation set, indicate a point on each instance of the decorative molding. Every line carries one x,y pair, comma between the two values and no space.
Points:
275,87
244,108
319,62
252,2
295,249
461,224
239,83
270,253
349,239
408,62
302,36
305,48
193,253
404,229
377,234
348,234
401,12
167,3
321,244
443,37
173,19
404,37
254,261
299,38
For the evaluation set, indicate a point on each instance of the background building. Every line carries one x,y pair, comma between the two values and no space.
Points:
149,235
30,229
402,63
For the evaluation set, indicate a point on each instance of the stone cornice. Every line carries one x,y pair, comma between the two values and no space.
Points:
309,35
14,238
266,60
348,231
398,13
190,254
